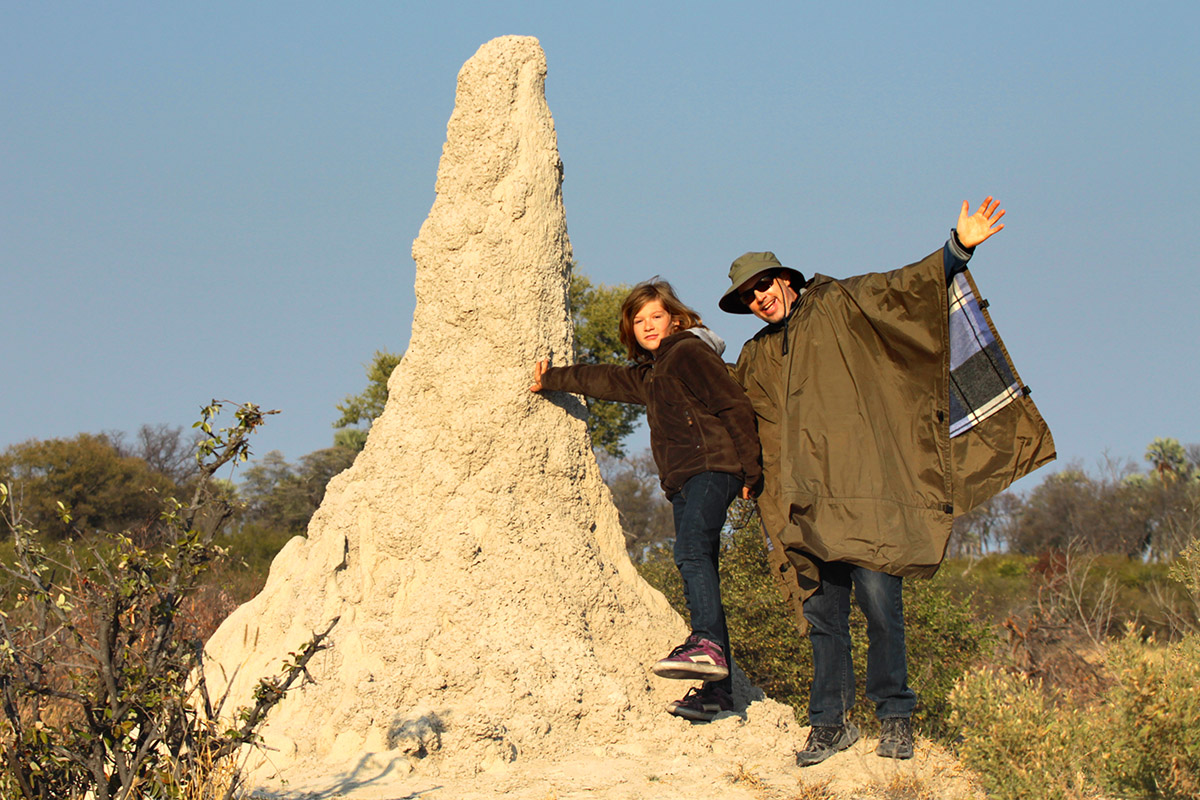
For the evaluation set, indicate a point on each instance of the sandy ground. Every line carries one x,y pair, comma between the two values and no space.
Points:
726,759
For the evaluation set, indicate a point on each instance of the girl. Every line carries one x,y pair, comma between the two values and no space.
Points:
704,441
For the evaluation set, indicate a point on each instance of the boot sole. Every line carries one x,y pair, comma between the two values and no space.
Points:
690,672
691,714
901,753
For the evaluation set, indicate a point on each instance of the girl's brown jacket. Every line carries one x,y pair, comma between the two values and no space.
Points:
700,419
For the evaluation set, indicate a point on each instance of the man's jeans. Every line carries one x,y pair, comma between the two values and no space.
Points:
700,508
828,614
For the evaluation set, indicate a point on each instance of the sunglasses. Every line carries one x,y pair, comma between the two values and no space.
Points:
761,285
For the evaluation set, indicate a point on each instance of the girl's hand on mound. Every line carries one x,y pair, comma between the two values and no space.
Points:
539,369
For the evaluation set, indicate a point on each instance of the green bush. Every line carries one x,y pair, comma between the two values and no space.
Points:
945,639
658,570
254,547
1013,736
762,626
1142,740
1072,586
998,585
762,629
1152,743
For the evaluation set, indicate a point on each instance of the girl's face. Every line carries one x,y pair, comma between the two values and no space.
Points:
651,324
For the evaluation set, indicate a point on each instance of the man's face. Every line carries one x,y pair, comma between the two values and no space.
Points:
768,295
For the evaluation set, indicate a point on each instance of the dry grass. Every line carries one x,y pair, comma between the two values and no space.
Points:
741,775
816,790
908,787
209,780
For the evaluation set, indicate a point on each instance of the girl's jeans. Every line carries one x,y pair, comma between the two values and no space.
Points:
700,508
828,614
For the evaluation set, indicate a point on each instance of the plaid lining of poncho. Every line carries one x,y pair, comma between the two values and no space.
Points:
981,380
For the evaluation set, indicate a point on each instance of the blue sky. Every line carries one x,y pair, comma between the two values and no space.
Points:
218,200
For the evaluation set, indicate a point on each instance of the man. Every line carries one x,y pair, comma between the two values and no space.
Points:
886,405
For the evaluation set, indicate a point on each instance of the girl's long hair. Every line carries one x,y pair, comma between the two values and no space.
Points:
682,317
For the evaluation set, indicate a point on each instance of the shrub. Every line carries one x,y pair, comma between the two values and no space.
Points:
101,673
945,639
762,626
1014,737
997,586
1152,742
1141,740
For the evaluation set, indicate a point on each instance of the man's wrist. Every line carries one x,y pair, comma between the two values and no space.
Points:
958,248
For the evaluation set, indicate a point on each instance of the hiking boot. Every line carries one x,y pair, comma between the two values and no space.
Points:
824,741
702,705
895,738
696,659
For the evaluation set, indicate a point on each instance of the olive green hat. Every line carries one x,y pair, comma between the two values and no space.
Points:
746,267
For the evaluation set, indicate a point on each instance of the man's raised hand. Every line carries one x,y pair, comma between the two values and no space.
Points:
978,227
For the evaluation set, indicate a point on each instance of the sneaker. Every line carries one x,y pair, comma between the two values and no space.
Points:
824,741
895,738
696,659
703,704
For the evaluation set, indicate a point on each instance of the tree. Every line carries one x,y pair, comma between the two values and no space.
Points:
103,489
1171,461
1139,515
987,528
1170,497
164,449
284,497
1070,509
646,515
368,404
596,311
261,489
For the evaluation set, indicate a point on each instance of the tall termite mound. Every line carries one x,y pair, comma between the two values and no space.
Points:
487,610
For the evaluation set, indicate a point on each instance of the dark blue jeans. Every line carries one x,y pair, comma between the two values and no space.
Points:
700,508
879,595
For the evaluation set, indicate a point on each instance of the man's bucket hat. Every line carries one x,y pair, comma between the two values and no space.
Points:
746,267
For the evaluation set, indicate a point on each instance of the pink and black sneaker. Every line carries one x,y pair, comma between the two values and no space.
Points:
696,659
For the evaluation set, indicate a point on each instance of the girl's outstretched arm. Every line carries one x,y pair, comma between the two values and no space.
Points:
601,381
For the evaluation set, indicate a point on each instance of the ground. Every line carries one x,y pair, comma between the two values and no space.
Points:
728,759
